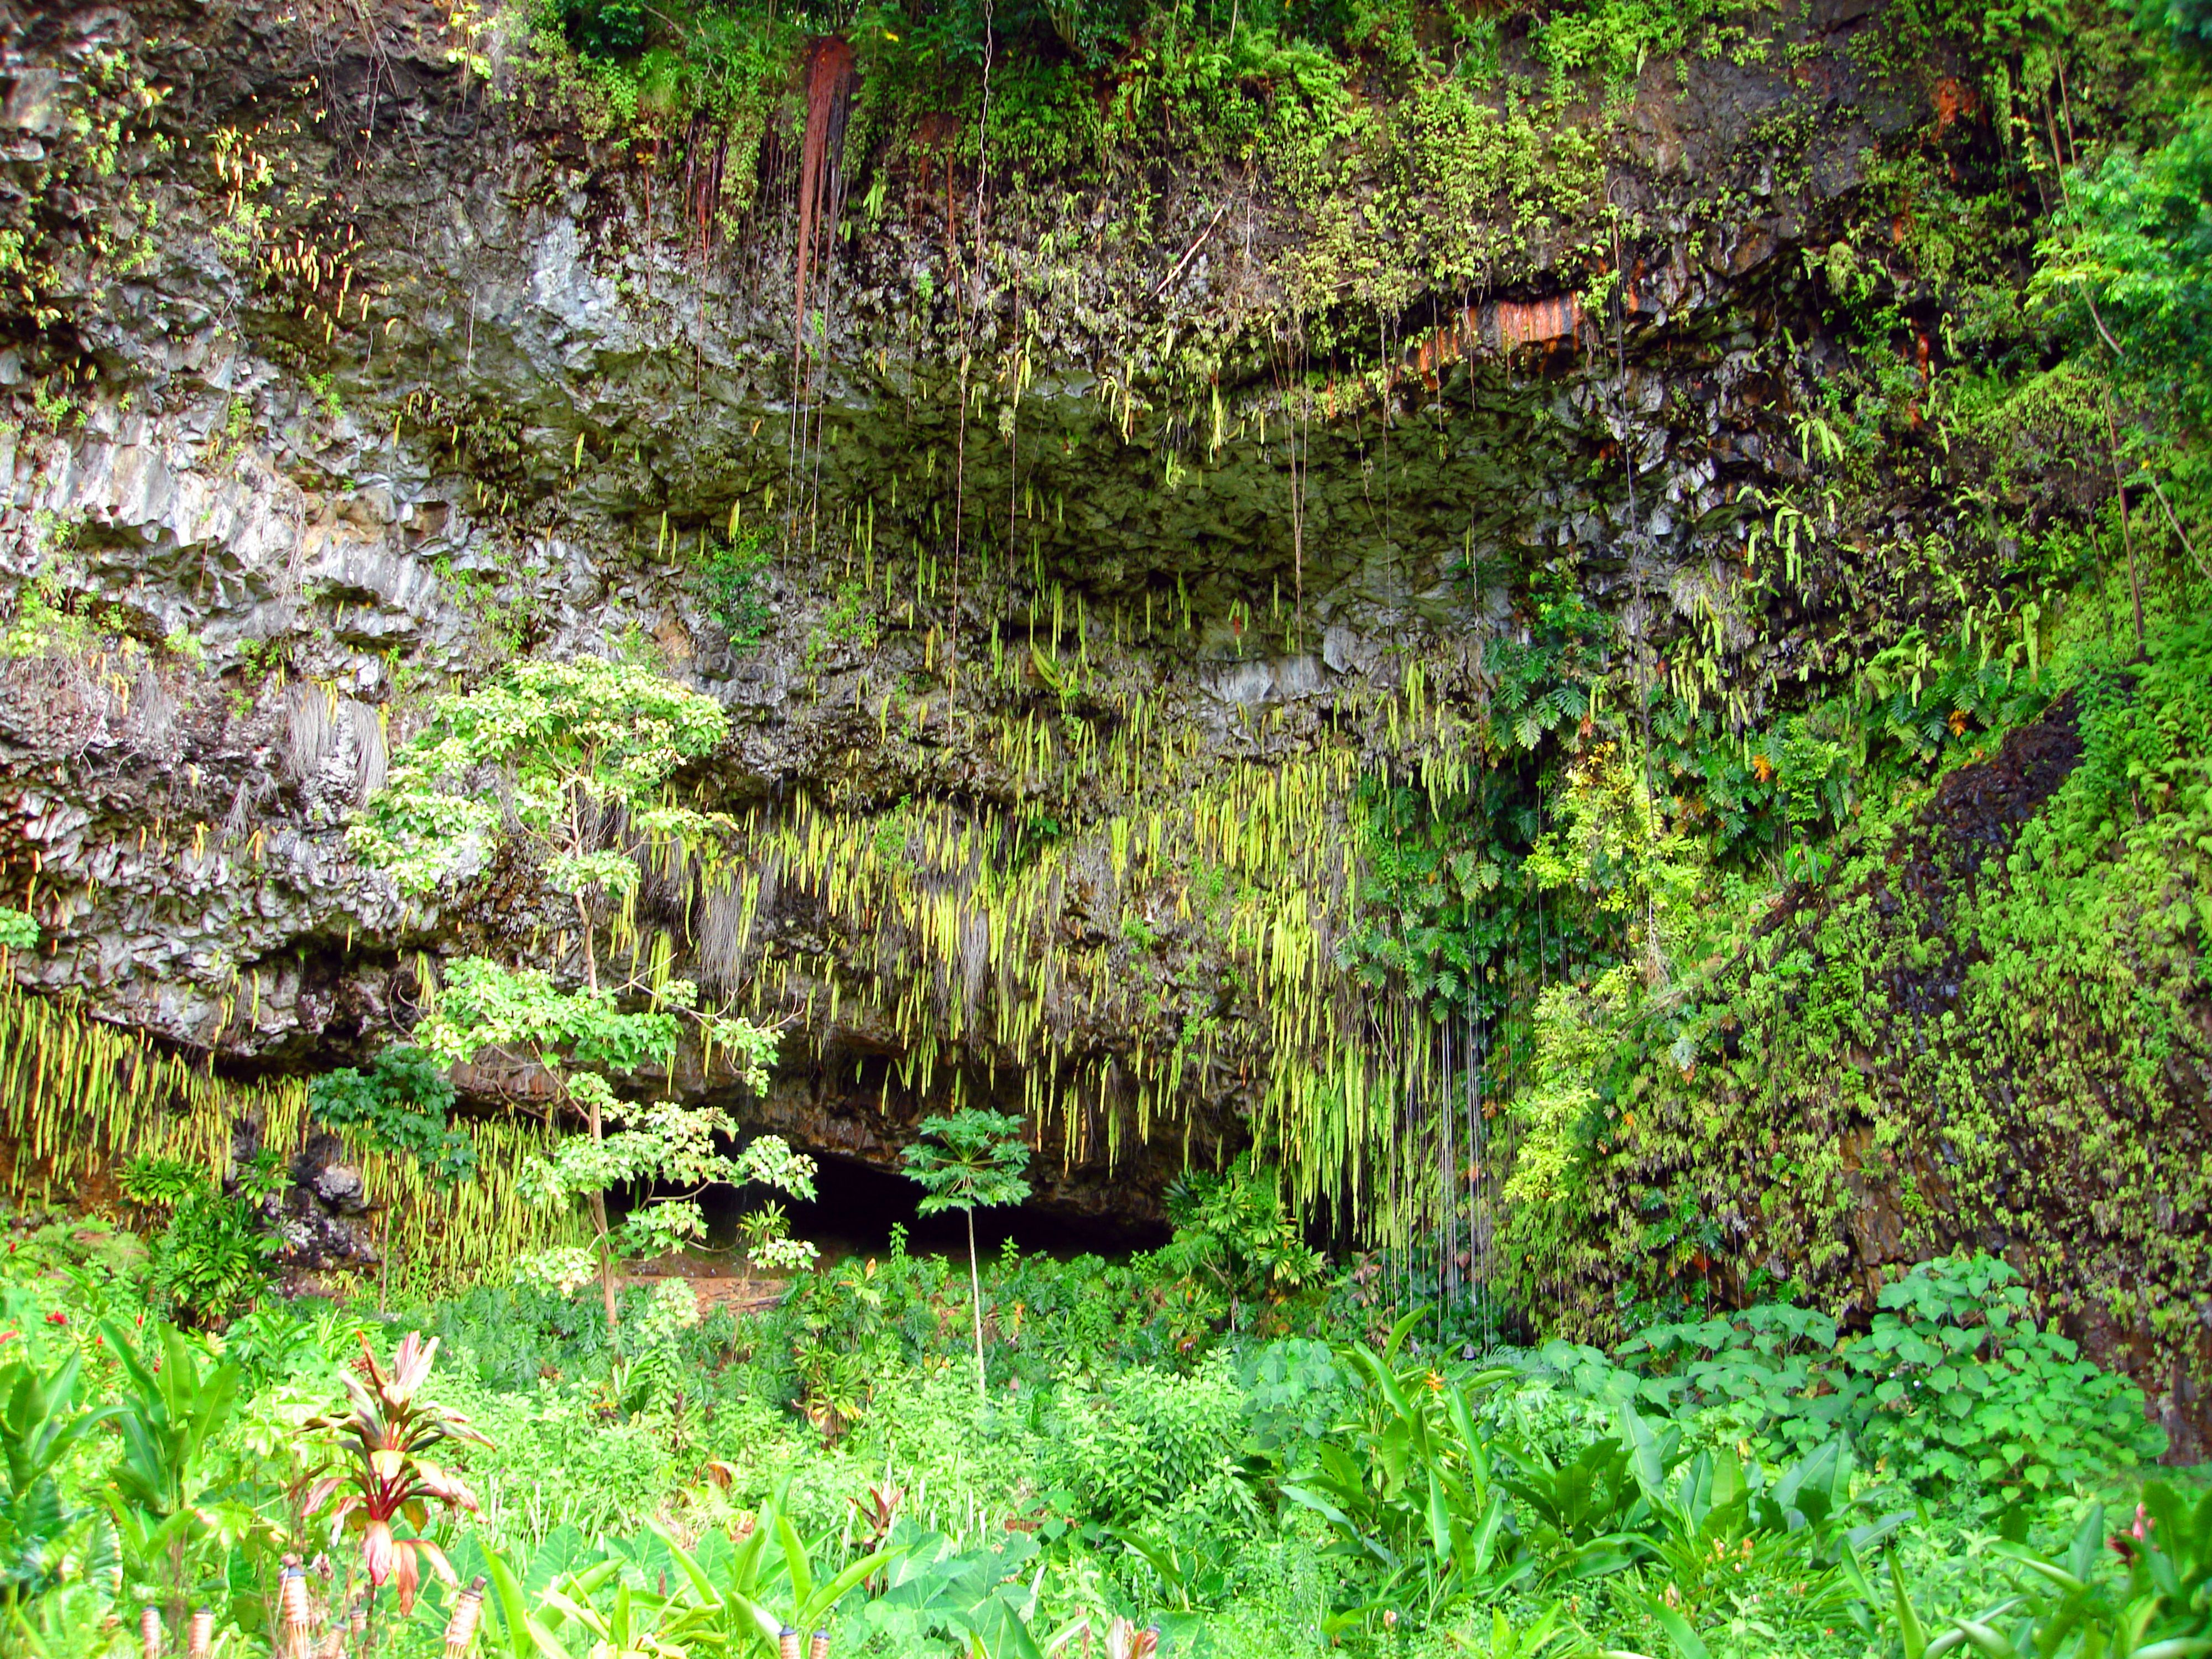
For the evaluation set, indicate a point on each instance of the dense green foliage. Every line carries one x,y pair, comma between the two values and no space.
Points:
1858,917
1308,1477
213,1254
400,1104
1850,916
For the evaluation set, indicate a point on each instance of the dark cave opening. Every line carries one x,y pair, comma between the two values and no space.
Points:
856,1204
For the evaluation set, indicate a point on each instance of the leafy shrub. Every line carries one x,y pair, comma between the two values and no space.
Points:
934,1593
212,1259
1955,1381
1747,1375
603,28
1151,1442
41,1423
1233,1232
1962,1382
213,1256
162,1182
1294,1390
2070,1603
399,1104
175,1403
732,585
100,1263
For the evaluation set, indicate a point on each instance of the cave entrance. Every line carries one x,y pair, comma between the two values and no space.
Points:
856,1206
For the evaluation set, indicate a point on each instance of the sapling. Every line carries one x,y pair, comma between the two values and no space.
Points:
967,1161
578,1037
770,1246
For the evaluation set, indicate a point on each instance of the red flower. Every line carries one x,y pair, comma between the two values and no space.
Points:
57,1317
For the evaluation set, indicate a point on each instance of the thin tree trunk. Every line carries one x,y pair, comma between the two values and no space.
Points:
2127,534
606,1260
599,1128
976,1291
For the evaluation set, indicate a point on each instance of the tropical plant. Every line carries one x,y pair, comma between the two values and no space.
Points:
765,1592
1954,1380
174,1408
1408,1489
387,1479
1753,1369
1232,1231
1548,1631
2131,263
730,580
399,1105
966,1161
841,1340
1961,1381
1587,1513
2069,1608
160,1183
40,1425
212,1256
596,1601
1720,1518
980,1599
768,1161
565,743
769,1247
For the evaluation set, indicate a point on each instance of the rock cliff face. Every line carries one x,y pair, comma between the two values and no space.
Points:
1118,528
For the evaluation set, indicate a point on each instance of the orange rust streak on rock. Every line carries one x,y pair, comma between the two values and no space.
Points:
1513,322
831,73
1535,321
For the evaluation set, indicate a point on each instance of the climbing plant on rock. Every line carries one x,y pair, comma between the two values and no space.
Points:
1971,1028
399,1105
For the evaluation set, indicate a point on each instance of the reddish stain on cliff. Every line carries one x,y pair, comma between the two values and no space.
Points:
1498,327
831,75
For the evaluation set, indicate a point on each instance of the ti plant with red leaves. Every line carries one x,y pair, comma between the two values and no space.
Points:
387,1479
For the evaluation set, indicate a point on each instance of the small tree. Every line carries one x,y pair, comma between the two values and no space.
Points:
553,759
968,1161
767,1230
579,1038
